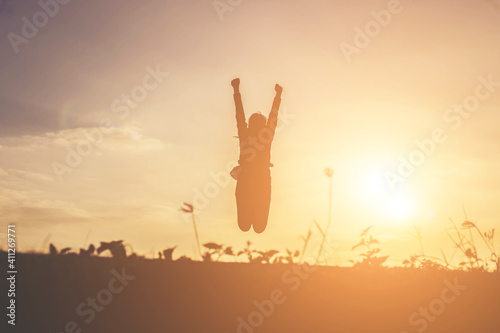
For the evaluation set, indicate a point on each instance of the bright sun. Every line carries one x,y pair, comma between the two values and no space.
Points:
398,206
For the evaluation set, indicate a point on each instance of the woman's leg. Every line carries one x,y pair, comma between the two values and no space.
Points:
244,203
262,202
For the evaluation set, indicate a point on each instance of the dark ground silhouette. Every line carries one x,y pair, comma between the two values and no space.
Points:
161,296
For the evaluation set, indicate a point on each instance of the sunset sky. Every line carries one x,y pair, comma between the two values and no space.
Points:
359,115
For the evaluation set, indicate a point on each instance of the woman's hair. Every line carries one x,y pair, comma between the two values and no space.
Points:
257,121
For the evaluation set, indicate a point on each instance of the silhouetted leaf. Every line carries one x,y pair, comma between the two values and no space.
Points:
257,260
469,253
468,225
365,231
52,249
271,253
104,246
379,260
184,259
65,250
229,251
167,254
358,245
213,246
207,257
328,172
187,208
116,248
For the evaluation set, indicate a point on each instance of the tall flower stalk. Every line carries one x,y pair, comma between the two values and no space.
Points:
189,209
306,241
329,174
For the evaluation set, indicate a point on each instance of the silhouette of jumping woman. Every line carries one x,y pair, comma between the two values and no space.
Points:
253,176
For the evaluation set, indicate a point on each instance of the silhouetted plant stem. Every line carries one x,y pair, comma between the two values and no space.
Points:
418,235
306,241
329,174
196,234
189,209
87,238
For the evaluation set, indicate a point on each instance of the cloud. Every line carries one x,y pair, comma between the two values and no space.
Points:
31,175
126,138
41,216
129,138
30,193
24,204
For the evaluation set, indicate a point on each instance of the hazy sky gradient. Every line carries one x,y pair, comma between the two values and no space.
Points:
357,117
